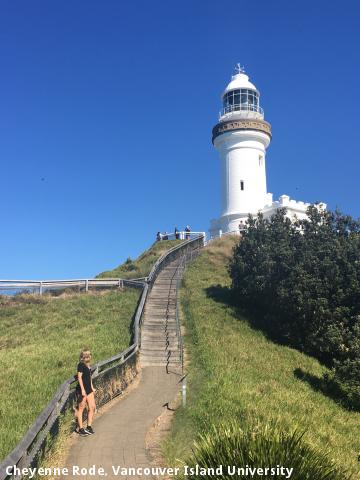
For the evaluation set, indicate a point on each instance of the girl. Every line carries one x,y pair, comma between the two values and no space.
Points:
85,393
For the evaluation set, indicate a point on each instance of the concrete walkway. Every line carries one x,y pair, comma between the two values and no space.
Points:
120,433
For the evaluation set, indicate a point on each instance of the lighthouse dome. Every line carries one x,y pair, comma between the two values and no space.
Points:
240,81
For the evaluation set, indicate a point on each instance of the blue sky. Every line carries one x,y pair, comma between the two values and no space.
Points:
106,111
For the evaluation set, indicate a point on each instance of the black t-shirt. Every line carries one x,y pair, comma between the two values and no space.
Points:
86,377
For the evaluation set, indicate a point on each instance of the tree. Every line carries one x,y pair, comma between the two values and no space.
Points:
301,282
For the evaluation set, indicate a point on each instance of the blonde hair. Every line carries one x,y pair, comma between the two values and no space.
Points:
85,356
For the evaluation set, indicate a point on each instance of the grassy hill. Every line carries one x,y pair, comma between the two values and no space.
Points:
40,342
142,265
235,372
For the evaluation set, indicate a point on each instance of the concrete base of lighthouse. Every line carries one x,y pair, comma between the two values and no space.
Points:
226,224
295,210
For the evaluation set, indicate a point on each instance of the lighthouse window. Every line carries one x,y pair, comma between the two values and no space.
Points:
251,99
241,185
241,99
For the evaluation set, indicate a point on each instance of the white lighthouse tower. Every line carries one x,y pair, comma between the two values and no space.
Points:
241,137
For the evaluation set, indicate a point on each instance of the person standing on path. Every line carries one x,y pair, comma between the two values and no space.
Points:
85,393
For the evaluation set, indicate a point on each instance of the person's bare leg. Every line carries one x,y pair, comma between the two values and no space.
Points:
91,404
80,411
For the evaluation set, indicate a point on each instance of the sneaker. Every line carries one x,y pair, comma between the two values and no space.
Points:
89,430
83,432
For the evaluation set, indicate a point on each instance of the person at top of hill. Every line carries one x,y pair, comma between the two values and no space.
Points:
85,393
241,226
177,233
187,230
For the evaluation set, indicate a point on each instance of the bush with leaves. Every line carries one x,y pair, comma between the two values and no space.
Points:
301,282
261,448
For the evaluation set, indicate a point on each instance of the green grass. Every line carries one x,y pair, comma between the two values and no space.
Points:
143,264
40,342
237,374
262,448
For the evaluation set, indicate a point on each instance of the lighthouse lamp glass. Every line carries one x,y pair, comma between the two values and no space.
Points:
241,99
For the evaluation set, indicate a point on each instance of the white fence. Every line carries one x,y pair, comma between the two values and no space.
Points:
183,235
40,286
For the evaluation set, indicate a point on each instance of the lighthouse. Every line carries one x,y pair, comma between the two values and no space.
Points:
241,138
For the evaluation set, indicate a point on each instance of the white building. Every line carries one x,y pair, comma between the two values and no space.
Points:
241,138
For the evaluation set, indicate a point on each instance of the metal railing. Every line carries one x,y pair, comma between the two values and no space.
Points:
182,266
41,286
183,235
177,279
111,376
244,107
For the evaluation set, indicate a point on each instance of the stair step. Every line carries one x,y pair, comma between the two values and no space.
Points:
160,313
160,358
159,320
155,331
161,347
175,356
174,366
149,338
150,347
159,329
163,302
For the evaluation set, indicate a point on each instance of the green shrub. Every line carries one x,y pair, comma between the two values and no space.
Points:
262,447
347,378
300,282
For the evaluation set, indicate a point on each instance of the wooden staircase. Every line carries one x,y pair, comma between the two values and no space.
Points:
160,342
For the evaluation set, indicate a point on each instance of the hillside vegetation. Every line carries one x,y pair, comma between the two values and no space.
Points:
40,342
237,374
141,266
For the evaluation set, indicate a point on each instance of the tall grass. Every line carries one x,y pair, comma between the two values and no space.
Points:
236,374
40,341
141,266
265,450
